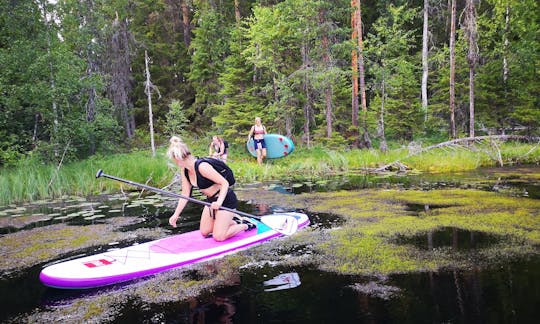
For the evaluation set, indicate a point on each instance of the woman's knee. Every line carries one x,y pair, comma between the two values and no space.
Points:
219,236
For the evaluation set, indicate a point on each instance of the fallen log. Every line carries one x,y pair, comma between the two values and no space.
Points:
468,141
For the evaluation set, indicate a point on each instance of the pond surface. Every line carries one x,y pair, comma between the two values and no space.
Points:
515,181
271,293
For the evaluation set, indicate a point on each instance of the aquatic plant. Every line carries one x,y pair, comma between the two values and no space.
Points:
33,180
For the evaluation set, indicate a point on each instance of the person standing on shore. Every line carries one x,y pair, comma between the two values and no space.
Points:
257,132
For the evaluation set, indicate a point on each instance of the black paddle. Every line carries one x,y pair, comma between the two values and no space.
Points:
288,227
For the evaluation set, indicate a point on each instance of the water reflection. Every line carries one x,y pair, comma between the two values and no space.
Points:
283,281
513,181
506,293
456,238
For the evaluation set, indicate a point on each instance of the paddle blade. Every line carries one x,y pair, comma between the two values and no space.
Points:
282,223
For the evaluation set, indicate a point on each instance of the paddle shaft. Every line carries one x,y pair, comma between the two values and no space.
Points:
100,173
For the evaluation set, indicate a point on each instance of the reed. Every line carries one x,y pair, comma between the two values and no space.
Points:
449,161
32,180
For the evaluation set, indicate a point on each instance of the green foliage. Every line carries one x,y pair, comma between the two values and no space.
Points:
209,48
286,61
47,92
175,120
78,178
394,73
234,116
439,115
511,99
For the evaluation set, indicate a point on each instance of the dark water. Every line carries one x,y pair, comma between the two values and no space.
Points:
456,238
509,180
506,293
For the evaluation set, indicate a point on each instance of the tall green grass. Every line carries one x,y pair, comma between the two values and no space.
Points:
33,180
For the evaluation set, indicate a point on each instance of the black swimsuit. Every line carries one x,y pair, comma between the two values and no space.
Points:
231,201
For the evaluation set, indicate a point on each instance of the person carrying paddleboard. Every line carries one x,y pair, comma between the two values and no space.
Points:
214,186
257,131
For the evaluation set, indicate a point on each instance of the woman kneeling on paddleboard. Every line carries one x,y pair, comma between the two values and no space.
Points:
214,186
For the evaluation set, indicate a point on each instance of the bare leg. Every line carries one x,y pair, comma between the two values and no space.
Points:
263,154
259,156
225,227
207,222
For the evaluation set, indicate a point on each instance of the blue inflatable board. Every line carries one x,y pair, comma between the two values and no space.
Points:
276,146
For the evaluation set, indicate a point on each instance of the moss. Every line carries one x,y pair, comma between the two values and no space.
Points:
41,244
374,218
93,310
370,255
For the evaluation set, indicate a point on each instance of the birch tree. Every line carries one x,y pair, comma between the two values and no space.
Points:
452,69
148,89
425,68
472,56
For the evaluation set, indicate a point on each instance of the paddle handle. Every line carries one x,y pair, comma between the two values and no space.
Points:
100,173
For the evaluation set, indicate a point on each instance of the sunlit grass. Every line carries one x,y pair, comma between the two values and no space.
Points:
33,180
37,181
449,161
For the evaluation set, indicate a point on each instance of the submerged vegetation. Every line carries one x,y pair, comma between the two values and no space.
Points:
380,232
32,180
367,242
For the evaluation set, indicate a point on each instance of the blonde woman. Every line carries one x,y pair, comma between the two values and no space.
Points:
214,186
218,149
257,131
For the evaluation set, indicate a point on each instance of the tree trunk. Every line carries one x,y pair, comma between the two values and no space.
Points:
328,84
472,57
506,44
119,65
453,70
186,23
237,15
425,69
148,91
505,70
366,141
354,66
52,83
288,124
307,104
380,127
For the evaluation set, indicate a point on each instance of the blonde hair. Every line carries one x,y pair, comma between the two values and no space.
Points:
177,149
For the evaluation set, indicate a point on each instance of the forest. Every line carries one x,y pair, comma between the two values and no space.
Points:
88,77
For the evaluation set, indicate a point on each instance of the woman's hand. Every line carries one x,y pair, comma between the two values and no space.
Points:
172,220
215,205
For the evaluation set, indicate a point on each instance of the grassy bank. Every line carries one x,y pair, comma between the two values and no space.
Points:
32,180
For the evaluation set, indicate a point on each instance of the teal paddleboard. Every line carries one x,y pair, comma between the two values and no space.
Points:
276,146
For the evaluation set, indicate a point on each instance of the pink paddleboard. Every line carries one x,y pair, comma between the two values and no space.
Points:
149,258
